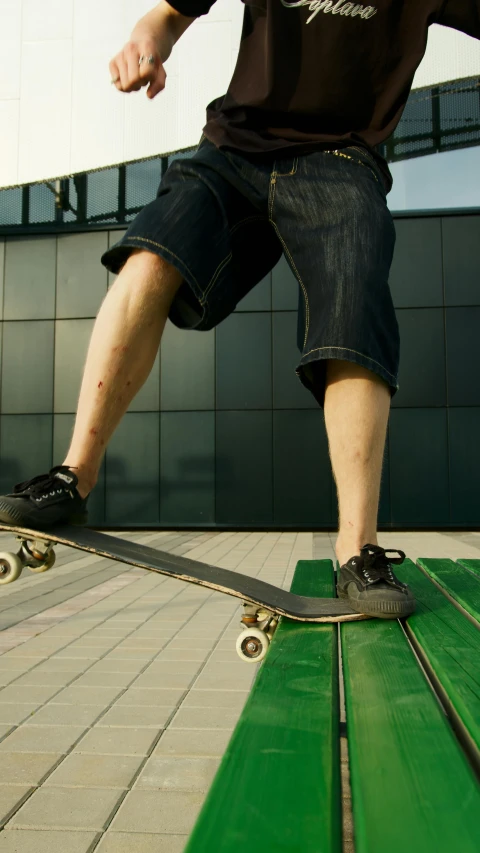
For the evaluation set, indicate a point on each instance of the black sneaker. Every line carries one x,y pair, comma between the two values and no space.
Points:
44,501
368,583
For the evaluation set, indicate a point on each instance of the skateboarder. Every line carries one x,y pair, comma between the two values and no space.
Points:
287,163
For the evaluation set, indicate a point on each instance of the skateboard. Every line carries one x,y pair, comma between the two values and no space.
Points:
264,603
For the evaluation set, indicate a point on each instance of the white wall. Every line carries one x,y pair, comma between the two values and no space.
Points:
450,55
437,182
60,115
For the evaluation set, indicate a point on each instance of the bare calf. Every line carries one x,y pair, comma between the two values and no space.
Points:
122,350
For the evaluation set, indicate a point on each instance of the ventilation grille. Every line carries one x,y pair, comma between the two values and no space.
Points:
438,118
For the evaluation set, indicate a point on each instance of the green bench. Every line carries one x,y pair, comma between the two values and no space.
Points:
412,697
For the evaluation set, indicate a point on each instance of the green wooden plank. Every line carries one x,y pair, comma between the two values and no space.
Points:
460,584
412,787
449,645
278,785
471,565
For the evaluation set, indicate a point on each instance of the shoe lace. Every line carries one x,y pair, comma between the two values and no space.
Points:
378,567
41,486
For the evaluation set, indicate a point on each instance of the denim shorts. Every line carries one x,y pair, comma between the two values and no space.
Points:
224,218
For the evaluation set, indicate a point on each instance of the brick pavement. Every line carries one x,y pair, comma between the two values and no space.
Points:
120,688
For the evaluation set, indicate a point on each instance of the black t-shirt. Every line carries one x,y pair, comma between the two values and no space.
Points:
319,74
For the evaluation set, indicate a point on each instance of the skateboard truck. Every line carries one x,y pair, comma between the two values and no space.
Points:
36,554
260,624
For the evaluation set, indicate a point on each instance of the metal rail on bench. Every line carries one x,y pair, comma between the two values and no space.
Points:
278,786
462,586
413,785
412,762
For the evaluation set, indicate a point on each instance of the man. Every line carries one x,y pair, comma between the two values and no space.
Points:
287,163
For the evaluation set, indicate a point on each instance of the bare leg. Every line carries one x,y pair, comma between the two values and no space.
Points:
357,405
122,350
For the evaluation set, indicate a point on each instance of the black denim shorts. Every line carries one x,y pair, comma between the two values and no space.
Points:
223,220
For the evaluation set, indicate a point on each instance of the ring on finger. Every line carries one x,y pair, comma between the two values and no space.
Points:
150,60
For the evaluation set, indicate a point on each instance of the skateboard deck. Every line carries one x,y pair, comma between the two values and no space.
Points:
256,592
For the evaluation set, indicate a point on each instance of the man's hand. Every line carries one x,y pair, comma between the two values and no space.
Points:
130,76
154,35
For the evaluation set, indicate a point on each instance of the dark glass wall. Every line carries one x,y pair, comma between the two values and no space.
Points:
223,433
435,119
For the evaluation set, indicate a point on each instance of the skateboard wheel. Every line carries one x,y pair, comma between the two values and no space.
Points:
47,563
252,645
10,567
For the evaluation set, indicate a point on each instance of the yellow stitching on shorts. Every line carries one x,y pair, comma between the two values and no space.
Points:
273,181
159,245
214,278
287,174
271,192
299,279
248,219
347,349
357,160
229,256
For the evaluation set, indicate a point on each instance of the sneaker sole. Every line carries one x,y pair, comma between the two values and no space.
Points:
8,515
380,609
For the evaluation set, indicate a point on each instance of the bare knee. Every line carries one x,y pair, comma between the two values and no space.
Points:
153,262
153,270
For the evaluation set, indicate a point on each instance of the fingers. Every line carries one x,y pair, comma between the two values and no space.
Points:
135,73
114,73
128,76
157,84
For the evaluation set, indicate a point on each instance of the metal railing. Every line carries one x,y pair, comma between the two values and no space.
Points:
438,118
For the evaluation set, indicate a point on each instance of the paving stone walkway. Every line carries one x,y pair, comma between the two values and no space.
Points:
120,688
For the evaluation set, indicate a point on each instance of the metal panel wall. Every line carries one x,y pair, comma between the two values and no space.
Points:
223,433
